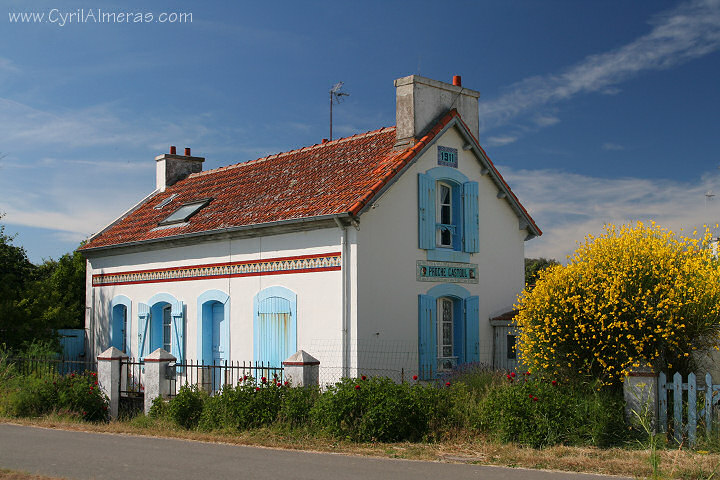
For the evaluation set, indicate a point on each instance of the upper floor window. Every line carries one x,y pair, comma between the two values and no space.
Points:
448,216
445,227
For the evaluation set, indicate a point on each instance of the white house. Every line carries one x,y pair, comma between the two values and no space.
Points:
391,249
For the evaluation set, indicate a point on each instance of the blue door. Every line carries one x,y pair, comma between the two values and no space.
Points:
219,344
274,321
218,331
118,333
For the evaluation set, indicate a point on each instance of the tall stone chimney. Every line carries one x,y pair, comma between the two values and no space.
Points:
171,168
420,102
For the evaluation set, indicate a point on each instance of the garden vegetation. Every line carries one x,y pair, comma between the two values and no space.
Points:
634,296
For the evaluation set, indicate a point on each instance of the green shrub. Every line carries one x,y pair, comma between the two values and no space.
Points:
186,407
538,413
158,408
244,406
73,394
296,405
378,409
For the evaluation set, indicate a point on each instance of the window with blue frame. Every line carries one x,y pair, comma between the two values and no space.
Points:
448,329
161,324
448,217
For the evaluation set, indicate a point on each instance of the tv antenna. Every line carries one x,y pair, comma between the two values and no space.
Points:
336,97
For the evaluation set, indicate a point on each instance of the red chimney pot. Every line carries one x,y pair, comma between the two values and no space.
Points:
172,150
187,151
457,81
325,140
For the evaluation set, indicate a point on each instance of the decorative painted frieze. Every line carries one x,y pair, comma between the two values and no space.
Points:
273,266
427,271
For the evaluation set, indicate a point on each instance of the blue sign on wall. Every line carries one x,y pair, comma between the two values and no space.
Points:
447,157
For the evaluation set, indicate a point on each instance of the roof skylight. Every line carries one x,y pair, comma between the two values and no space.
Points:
184,213
165,201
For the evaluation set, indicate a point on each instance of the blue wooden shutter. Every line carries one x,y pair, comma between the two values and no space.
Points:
427,336
178,332
471,218
143,324
426,212
472,329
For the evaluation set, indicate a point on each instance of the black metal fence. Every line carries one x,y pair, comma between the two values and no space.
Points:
52,366
212,378
132,388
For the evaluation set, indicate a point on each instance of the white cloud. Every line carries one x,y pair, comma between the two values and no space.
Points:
688,31
500,141
568,206
612,146
545,120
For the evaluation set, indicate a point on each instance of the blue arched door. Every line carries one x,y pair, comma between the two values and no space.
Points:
275,326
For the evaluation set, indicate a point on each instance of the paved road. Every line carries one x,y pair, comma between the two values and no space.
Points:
80,456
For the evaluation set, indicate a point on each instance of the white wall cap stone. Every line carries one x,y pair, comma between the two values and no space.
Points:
160,355
301,357
112,353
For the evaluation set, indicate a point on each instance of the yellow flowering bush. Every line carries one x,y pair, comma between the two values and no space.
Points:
634,295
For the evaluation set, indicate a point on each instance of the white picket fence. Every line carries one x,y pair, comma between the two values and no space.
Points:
687,428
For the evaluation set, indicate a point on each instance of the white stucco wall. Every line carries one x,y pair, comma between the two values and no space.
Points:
319,307
387,296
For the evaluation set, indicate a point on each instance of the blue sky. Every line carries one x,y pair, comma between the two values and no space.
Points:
594,112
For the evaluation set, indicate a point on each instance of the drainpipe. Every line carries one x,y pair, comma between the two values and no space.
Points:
344,303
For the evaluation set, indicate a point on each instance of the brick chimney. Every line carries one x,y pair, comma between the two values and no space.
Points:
420,102
171,168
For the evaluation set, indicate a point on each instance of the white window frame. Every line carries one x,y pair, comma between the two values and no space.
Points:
442,227
167,314
445,362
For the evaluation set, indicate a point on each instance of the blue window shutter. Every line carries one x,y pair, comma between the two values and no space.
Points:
426,212
427,336
471,218
178,332
472,329
143,324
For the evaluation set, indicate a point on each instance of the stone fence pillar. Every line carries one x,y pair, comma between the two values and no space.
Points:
302,369
157,383
109,377
640,390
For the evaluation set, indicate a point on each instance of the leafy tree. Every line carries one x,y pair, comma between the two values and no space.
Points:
635,295
16,271
533,266
36,300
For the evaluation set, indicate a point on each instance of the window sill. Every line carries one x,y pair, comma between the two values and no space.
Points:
447,255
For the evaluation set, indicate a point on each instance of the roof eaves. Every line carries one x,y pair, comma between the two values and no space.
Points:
229,230
500,181
404,160
118,219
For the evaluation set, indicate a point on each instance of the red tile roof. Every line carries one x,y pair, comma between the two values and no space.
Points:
334,178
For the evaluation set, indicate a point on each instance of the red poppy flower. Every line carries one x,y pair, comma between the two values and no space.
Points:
287,383
263,380
554,382
527,373
512,374
414,377
364,377
257,389
244,377
534,399
447,384
357,387
531,395
278,384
